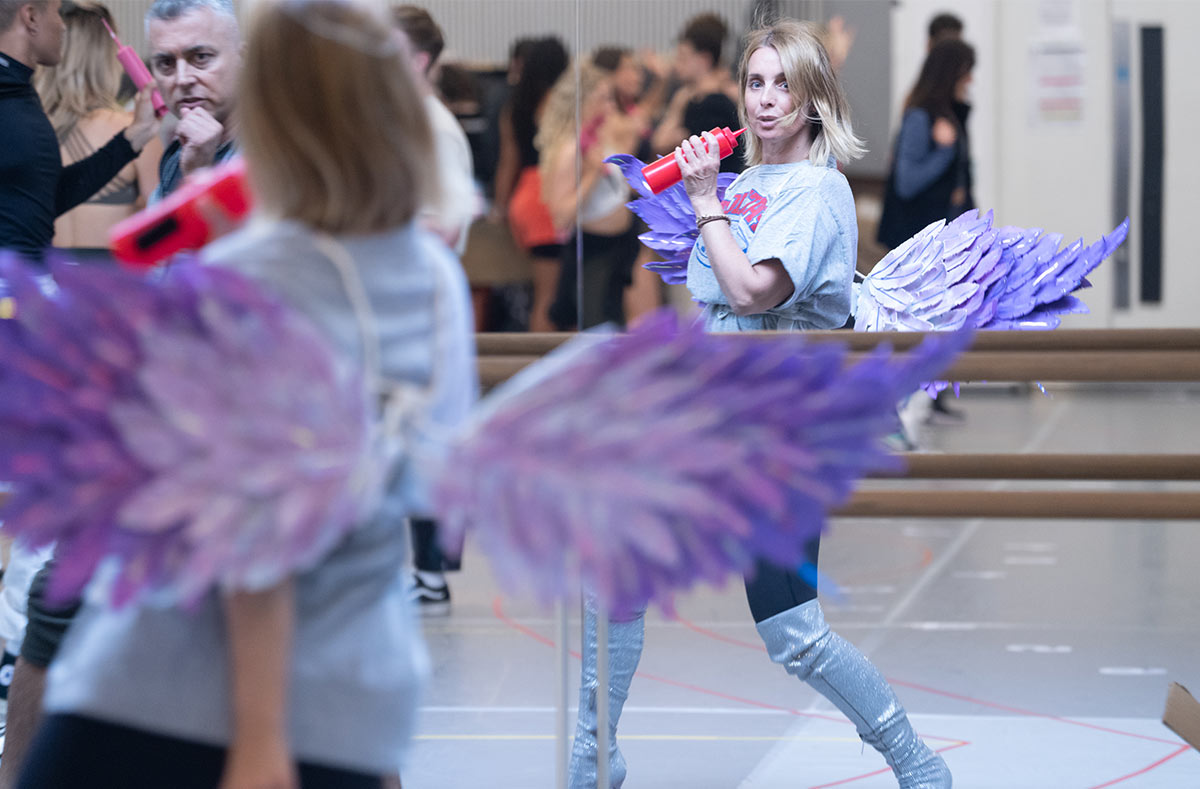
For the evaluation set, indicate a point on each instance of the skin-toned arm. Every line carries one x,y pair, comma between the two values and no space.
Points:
750,287
261,625
560,192
146,166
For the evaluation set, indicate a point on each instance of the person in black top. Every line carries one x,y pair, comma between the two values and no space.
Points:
703,100
34,186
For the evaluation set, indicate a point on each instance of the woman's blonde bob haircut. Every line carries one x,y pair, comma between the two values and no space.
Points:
332,125
814,89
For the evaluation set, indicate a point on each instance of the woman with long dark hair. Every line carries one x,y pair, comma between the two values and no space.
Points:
776,252
931,163
312,681
518,181
80,98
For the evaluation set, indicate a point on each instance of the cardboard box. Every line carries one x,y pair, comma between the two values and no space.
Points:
1182,715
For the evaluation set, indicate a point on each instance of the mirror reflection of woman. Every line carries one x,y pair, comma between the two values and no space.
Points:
312,681
592,204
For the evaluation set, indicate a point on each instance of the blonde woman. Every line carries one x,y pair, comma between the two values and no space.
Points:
80,98
312,682
778,253
590,208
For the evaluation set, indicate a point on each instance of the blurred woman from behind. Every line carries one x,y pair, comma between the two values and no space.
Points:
313,681
80,97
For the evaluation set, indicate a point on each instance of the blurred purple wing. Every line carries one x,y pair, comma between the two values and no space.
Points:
191,427
643,463
672,222
967,273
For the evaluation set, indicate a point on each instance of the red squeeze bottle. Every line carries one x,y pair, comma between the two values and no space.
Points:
206,207
137,71
664,173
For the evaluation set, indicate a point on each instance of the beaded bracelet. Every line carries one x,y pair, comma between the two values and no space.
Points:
701,221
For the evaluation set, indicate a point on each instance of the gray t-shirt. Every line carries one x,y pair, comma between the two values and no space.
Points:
358,659
802,215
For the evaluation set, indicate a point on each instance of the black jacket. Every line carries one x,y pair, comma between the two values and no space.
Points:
34,186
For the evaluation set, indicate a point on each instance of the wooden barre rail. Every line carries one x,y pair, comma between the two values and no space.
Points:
537,344
976,365
1049,466
1083,505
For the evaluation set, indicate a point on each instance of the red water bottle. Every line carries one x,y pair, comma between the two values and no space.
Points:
664,173
137,71
206,207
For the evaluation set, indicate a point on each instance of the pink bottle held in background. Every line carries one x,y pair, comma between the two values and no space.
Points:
664,173
136,70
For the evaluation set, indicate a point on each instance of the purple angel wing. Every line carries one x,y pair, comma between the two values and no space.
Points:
669,216
190,427
967,273
645,462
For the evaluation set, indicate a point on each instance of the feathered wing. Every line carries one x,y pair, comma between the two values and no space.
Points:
645,462
201,434
192,428
669,216
967,273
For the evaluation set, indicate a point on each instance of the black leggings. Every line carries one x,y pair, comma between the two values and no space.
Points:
427,551
607,269
774,589
72,752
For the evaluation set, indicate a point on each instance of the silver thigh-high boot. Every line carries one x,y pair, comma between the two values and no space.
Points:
625,639
800,640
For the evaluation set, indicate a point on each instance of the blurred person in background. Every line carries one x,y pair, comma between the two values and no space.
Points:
519,194
80,98
590,209
703,100
35,187
930,176
635,105
450,217
943,27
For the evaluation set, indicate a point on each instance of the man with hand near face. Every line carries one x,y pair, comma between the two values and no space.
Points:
195,56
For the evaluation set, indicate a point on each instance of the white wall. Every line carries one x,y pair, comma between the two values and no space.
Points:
1181,203
1060,176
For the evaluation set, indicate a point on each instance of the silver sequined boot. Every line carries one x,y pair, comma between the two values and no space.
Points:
624,651
800,640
